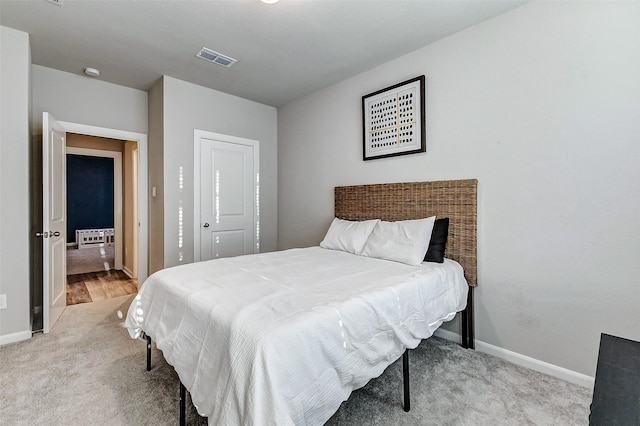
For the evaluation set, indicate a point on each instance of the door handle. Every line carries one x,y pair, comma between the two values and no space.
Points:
206,225
46,234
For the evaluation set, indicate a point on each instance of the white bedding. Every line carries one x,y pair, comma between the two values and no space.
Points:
283,338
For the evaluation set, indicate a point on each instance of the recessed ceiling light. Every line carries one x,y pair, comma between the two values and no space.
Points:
269,1
92,72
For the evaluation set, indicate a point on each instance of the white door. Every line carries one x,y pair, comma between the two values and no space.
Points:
229,194
54,298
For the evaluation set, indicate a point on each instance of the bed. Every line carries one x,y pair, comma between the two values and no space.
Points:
284,337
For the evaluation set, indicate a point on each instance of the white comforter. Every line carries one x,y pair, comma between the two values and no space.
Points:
283,338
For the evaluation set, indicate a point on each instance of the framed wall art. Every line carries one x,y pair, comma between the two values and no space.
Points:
394,120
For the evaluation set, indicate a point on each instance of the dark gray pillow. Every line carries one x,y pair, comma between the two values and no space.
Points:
438,243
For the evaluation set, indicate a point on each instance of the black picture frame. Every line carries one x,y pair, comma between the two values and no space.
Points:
394,120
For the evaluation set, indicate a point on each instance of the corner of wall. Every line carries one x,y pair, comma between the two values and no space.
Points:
156,176
15,62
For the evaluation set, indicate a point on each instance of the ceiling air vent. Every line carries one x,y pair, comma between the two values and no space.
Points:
215,57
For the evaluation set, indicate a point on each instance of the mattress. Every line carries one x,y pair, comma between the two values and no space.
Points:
283,338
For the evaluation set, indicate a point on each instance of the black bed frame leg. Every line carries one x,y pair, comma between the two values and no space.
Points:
405,380
183,390
468,335
183,411
148,352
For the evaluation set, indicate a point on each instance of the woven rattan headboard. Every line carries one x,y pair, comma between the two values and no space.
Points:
455,199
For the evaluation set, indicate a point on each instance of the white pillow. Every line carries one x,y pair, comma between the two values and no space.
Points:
348,235
404,241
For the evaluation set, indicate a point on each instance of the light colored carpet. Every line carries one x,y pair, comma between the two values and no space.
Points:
92,259
88,371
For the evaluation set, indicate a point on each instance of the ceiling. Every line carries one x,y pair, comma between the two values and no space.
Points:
284,51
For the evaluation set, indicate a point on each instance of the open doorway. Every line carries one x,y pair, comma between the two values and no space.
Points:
102,243
48,273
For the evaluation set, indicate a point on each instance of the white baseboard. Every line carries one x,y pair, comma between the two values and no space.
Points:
15,337
127,271
448,335
523,360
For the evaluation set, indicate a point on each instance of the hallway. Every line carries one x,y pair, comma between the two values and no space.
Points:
92,286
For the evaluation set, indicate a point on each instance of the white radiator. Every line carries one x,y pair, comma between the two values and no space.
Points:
86,238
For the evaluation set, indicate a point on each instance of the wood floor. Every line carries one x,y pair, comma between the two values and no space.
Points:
92,286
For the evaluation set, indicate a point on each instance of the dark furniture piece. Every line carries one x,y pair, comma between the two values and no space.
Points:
616,394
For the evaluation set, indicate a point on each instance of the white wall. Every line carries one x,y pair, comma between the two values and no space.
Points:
188,107
156,173
81,100
15,63
85,100
542,106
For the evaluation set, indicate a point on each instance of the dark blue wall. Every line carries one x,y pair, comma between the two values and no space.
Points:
89,193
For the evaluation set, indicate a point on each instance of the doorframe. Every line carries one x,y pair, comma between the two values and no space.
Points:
198,135
117,194
143,183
